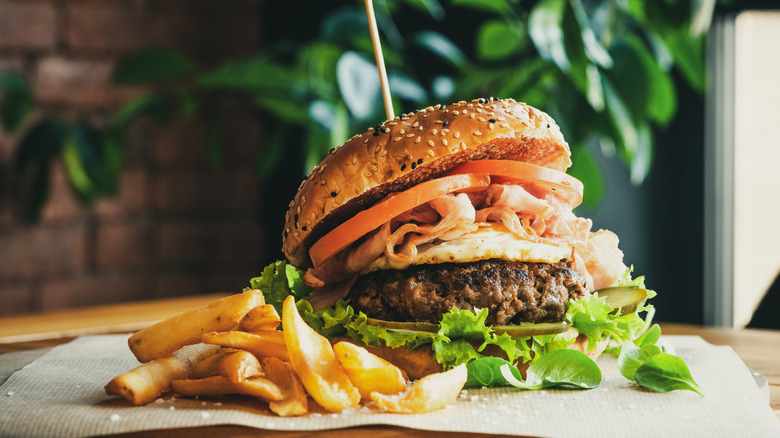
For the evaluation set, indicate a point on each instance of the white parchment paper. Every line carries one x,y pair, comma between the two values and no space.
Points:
61,395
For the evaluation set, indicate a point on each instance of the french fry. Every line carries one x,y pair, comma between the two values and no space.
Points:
264,343
236,365
368,372
221,385
165,337
294,400
148,381
260,318
239,366
312,358
427,394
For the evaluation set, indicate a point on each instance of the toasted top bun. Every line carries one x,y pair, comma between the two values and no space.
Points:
412,148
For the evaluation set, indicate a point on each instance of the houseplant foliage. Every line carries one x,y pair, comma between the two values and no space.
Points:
602,68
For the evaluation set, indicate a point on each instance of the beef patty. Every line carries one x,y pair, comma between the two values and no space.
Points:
513,292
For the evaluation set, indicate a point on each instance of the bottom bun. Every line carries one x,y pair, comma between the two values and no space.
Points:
421,361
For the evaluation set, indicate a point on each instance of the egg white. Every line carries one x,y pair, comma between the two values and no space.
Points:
483,244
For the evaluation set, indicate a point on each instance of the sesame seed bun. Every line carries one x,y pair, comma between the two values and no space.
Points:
412,148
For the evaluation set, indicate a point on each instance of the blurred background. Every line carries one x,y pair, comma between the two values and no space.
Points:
150,148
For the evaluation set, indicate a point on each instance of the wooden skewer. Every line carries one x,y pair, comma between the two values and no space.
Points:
380,60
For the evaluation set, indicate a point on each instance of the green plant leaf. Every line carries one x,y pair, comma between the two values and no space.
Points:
496,39
257,74
152,65
568,368
545,24
91,168
632,357
623,124
359,84
33,158
642,158
214,141
150,104
432,7
585,168
16,101
270,151
343,25
688,56
499,7
665,372
441,46
593,48
407,88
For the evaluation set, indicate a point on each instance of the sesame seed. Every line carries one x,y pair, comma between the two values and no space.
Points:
365,140
402,132
333,194
548,126
374,161
446,122
322,182
456,113
457,134
376,133
354,159
481,119
492,120
430,152
397,139
392,124
387,130
420,161
414,165
384,152
418,139
434,131
430,142
416,124
444,141
374,168
409,135
403,167
367,174
471,115
478,133
490,126
303,200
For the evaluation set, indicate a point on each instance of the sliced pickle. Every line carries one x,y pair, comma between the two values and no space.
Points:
625,298
525,329
406,326
514,330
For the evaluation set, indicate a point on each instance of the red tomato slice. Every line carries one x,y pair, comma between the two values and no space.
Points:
566,186
368,220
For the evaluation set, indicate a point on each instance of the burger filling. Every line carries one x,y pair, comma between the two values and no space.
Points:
512,292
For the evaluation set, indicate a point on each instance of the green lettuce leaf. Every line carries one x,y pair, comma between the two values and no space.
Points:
277,281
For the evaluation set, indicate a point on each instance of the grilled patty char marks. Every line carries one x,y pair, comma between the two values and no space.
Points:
513,292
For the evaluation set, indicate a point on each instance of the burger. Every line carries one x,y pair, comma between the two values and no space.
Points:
447,234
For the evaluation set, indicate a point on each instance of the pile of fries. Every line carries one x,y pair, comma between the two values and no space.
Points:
232,346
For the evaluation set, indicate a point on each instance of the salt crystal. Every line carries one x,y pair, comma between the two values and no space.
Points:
474,398
171,408
205,414
10,393
115,417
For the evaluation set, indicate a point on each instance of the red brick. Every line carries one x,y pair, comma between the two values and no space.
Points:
106,25
84,83
122,245
214,191
16,298
209,244
179,284
211,37
32,252
26,24
132,197
62,205
183,142
90,291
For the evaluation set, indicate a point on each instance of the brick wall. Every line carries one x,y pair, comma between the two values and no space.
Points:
179,225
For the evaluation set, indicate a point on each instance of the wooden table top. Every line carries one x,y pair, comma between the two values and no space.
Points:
759,349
